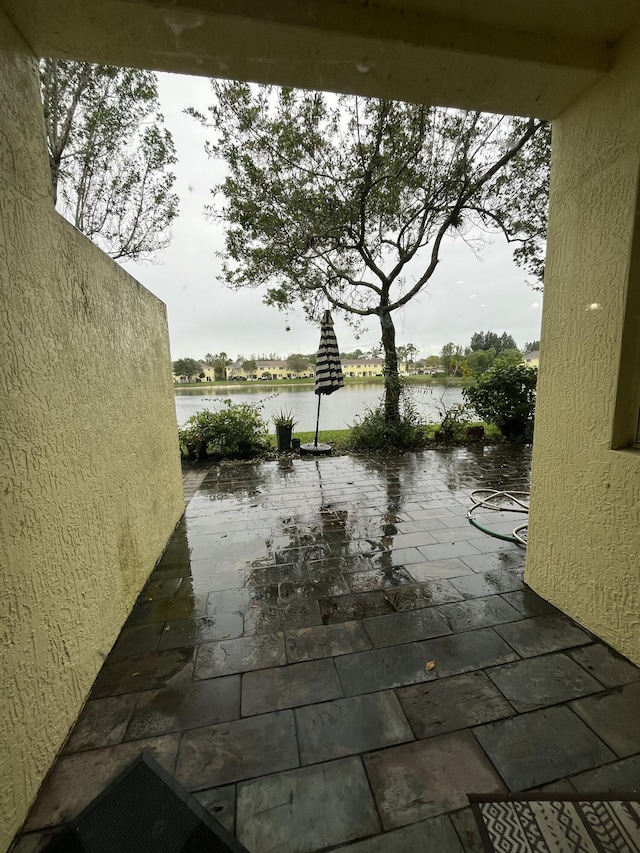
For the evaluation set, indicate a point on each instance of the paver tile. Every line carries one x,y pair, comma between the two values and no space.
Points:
420,595
619,776
540,681
405,627
615,717
446,550
346,608
140,672
241,749
192,632
266,620
168,609
349,726
289,686
467,651
542,634
221,802
202,703
304,810
429,777
240,655
439,569
322,641
160,588
380,669
492,562
377,579
466,828
102,722
137,640
487,583
536,748
528,603
603,663
76,780
448,704
435,835
477,613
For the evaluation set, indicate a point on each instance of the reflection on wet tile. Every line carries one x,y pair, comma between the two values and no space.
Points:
488,583
478,613
377,579
326,641
289,686
174,709
439,569
267,619
161,588
422,595
241,749
345,608
102,722
167,609
137,639
192,632
140,672
405,627
240,655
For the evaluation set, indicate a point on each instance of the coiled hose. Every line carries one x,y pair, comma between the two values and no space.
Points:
501,502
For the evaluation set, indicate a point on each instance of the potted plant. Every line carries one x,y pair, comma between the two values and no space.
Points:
284,424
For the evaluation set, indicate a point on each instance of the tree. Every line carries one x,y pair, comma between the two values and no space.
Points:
480,360
506,396
188,367
452,359
406,353
433,362
297,363
509,356
109,155
331,199
219,363
491,340
249,365
532,346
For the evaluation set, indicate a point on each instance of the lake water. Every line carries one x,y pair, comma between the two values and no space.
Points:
337,411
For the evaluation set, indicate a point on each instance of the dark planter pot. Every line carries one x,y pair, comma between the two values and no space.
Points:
283,436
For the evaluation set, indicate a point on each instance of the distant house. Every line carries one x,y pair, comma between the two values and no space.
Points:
267,369
361,368
532,359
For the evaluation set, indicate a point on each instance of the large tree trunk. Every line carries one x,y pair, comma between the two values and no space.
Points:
390,369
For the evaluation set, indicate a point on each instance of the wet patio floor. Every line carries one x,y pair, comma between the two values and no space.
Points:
328,655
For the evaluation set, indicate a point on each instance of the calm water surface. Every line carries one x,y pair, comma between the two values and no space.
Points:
337,411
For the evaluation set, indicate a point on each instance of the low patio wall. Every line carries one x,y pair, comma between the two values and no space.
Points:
91,484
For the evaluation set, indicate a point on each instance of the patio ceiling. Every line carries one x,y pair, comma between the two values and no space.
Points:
531,58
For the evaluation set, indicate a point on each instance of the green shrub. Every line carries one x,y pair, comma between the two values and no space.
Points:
506,396
237,431
371,432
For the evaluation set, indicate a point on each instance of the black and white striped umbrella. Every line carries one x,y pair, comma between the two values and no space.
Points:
328,368
328,375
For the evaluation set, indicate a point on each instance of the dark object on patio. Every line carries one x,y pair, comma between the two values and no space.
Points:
144,810
546,823
328,378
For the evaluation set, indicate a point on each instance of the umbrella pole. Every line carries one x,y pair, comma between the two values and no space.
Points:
315,444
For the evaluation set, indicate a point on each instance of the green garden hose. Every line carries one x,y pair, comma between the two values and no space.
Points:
519,534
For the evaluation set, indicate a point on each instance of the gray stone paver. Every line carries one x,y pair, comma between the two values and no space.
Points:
305,810
270,600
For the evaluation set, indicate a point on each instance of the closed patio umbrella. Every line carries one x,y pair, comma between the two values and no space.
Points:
328,375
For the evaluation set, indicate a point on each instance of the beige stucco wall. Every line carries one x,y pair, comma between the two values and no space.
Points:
90,477
585,506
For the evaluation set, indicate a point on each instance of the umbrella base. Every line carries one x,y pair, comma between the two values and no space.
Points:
312,449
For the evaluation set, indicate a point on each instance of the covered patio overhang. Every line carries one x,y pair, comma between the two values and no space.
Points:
573,62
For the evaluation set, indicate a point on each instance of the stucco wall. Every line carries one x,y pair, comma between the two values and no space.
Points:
90,479
585,532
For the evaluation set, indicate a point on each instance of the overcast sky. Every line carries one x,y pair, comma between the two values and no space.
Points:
464,296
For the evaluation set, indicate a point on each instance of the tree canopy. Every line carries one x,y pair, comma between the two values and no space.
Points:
110,155
188,367
219,362
298,363
346,201
491,340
